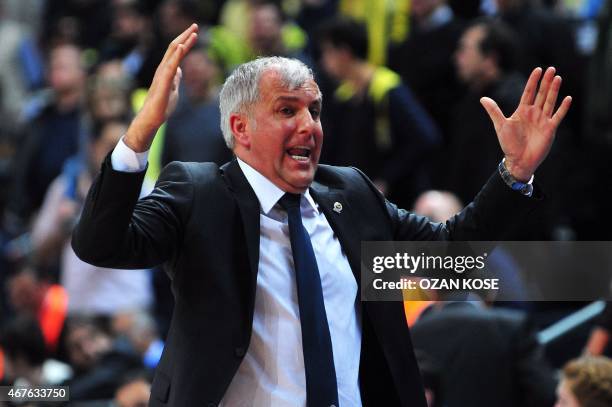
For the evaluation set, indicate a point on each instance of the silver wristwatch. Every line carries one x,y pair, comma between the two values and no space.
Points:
525,188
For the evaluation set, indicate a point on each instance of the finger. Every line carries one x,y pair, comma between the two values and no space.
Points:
562,110
551,97
544,86
531,86
180,53
180,39
494,112
190,42
165,74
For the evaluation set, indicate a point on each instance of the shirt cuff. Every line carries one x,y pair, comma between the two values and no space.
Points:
125,159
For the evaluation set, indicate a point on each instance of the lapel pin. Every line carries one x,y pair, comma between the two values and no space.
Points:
337,207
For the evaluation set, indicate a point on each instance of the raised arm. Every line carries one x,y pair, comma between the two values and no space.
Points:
162,95
115,229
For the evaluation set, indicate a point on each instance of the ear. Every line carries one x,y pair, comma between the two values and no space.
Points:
239,126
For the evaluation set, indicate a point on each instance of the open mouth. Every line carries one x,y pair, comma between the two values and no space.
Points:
299,153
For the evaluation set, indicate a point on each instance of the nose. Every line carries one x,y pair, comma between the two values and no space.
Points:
306,123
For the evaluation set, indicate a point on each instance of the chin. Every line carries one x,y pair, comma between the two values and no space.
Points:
301,184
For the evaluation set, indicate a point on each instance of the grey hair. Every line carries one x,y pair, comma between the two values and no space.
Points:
241,89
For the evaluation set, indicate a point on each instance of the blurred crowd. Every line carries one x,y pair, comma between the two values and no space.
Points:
401,83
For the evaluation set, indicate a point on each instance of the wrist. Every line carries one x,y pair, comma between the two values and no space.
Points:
516,171
138,137
524,187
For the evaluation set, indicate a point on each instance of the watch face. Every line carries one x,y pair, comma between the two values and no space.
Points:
527,189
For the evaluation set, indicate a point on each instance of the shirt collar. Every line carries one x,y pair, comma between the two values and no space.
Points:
267,193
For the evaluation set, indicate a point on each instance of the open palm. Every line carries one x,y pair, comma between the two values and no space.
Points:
527,135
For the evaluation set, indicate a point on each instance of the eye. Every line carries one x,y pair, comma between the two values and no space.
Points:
315,113
287,111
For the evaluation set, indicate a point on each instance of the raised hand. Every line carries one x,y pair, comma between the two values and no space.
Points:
527,135
163,93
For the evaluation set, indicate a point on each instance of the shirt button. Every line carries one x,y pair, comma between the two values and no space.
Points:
239,352
332,405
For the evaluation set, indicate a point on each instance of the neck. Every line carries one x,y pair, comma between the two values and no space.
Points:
487,78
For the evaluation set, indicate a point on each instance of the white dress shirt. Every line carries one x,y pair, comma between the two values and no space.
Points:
272,371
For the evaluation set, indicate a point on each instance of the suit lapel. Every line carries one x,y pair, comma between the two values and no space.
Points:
248,205
342,220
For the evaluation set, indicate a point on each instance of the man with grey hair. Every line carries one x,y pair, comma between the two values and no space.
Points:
263,252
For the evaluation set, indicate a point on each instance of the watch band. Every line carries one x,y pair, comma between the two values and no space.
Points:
525,188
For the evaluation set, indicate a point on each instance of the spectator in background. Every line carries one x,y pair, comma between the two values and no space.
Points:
141,331
586,382
20,73
269,34
108,95
546,40
131,37
425,59
85,21
193,132
386,22
34,295
92,290
372,121
486,63
252,28
26,357
52,134
492,357
14,86
134,392
439,206
98,359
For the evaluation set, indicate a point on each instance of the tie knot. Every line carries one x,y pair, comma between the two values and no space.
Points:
288,201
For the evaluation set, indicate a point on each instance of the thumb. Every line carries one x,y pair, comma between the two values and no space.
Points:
177,79
494,112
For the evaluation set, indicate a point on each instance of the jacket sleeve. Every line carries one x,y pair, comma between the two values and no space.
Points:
117,230
492,215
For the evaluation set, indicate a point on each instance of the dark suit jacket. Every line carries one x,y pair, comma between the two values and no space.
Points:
203,222
485,356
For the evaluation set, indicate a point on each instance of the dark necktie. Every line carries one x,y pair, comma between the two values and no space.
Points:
321,387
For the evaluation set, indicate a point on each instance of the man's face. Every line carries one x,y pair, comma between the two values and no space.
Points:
265,29
198,73
468,58
65,72
334,60
85,346
283,135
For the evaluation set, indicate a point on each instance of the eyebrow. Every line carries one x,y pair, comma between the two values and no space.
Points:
318,101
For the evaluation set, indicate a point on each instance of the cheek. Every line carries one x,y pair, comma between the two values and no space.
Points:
289,127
